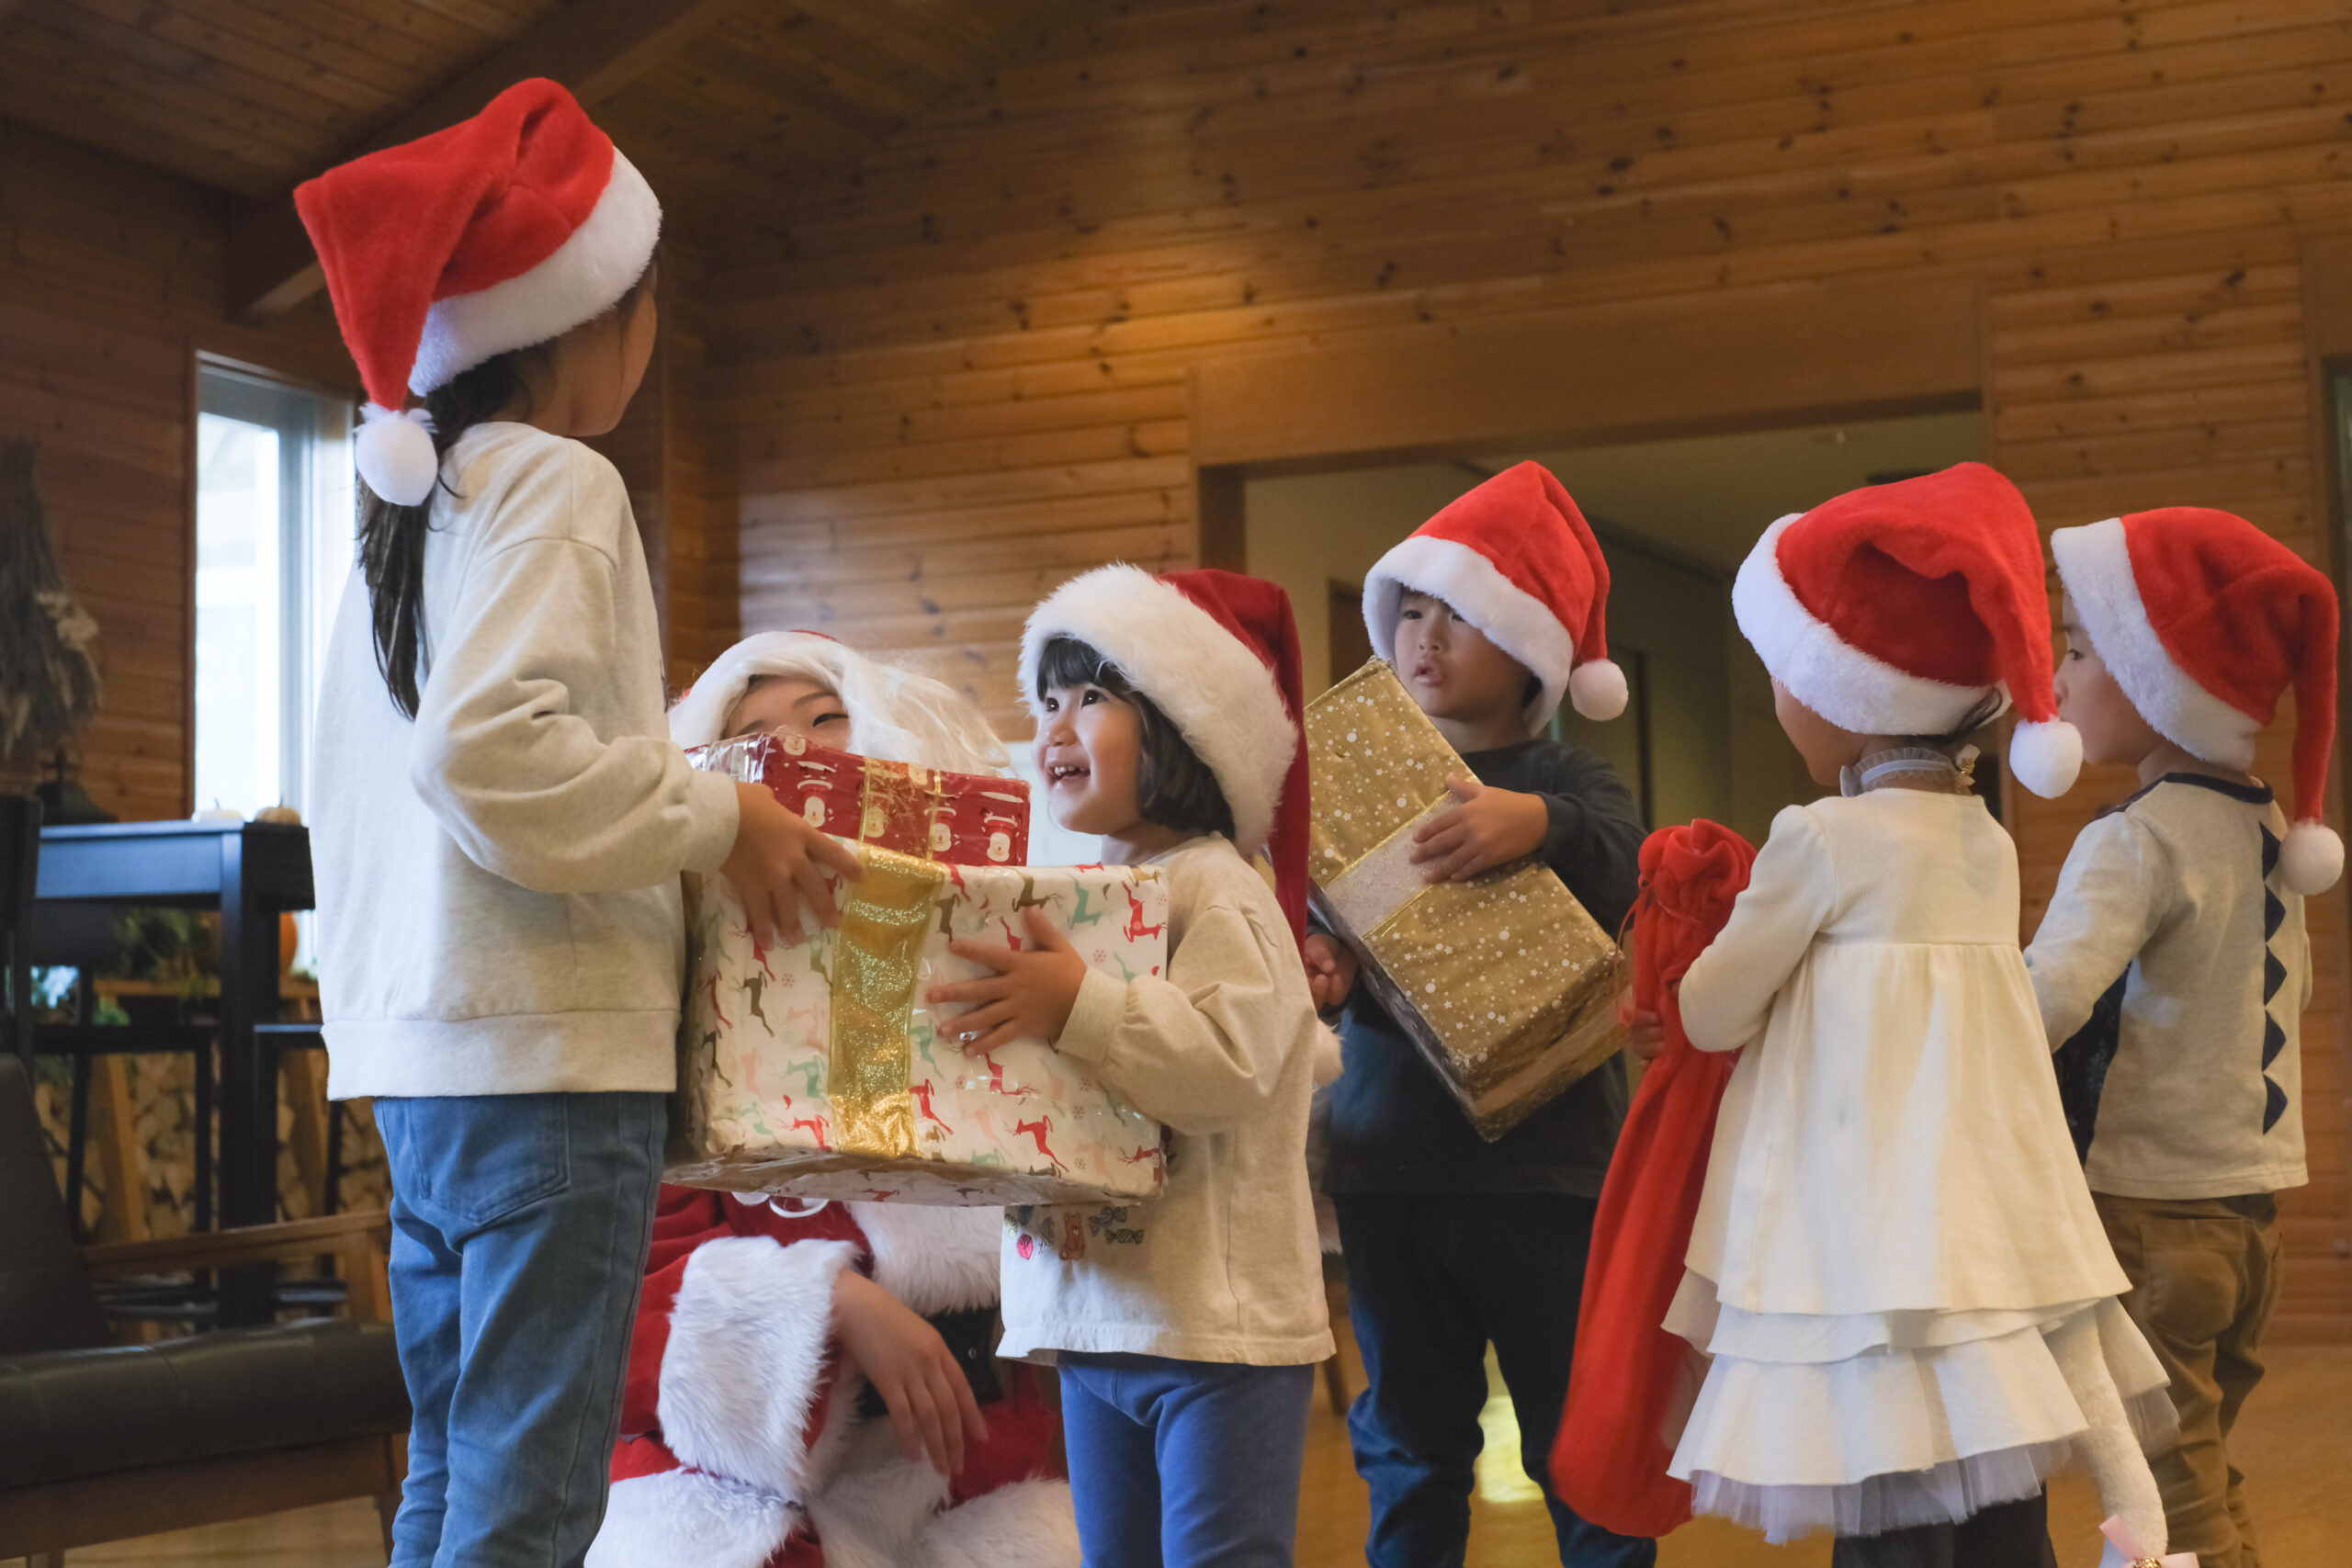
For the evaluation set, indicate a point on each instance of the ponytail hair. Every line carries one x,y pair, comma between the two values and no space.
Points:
390,547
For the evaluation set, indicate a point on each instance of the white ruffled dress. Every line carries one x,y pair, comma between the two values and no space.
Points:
1907,1298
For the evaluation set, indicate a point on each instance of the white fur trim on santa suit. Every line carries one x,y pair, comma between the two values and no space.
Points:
2095,565
585,278
886,1511
690,1519
1217,692
895,715
933,1260
1851,689
1512,619
749,1337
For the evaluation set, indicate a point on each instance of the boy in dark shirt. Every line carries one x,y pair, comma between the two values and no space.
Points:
1491,611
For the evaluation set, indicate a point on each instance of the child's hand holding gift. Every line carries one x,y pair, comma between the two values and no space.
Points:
1330,970
1491,828
1029,996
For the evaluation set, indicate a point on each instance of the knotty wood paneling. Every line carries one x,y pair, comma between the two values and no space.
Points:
965,369
110,282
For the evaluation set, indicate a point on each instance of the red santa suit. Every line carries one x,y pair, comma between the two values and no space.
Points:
742,1441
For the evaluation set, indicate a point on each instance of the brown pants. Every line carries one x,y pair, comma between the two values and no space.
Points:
2204,1276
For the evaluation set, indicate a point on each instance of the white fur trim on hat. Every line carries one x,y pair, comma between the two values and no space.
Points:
1851,689
585,276
2095,565
895,715
1512,619
1212,687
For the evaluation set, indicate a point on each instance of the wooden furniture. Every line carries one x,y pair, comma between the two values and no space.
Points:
251,872
20,863
103,1442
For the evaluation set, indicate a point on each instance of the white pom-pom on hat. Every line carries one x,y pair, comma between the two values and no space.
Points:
2312,858
394,454
1596,689
2046,757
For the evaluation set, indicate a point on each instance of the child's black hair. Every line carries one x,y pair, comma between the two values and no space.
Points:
1173,786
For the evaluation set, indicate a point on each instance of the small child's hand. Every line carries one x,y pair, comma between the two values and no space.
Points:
777,860
1330,970
1644,1031
1030,996
1491,828
932,1408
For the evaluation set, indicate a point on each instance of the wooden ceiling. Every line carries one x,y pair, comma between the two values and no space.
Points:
745,104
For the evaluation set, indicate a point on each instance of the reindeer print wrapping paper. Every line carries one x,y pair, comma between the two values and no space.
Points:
1504,982
969,819
818,1070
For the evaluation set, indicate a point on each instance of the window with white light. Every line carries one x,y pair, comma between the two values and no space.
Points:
273,526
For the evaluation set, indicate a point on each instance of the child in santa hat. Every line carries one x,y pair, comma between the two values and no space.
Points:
501,819
774,1336
1493,612
2172,966
1187,1330
1895,1265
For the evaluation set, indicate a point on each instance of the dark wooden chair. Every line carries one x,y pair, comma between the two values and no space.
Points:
19,874
103,1442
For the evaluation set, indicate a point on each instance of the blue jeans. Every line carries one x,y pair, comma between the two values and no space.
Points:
1430,1281
1178,1463
520,1227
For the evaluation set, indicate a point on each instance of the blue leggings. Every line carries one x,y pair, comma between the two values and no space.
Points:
1180,1464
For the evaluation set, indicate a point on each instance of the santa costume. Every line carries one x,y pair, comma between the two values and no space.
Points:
747,1441
1896,1266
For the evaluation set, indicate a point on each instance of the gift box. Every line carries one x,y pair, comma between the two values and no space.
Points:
1504,983
966,818
819,1070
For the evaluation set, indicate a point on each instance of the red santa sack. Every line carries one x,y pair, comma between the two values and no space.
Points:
1608,1461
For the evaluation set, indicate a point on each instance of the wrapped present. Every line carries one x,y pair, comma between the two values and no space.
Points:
819,1070
966,818
1504,982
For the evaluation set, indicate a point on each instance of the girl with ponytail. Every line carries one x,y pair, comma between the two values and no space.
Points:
501,819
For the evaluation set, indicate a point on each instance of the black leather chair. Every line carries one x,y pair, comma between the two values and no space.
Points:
103,1442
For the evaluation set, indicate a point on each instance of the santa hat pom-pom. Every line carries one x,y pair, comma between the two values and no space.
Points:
2312,858
1596,689
394,454
2046,757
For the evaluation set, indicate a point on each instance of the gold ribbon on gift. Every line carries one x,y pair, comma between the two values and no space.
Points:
898,789
877,958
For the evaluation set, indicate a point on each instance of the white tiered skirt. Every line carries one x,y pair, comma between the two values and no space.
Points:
1874,1422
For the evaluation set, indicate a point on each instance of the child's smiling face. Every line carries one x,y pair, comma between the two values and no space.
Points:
791,705
2088,698
1088,752
1450,668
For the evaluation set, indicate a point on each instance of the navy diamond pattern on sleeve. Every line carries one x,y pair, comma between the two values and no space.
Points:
2273,976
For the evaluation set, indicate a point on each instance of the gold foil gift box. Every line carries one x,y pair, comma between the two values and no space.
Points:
1504,982
818,1069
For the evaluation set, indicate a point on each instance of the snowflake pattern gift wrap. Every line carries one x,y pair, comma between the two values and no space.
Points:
1504,982
819,1070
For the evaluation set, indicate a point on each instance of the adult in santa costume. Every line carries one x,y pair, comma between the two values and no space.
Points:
812,1385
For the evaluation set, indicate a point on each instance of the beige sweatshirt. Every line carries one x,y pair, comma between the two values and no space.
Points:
1224,1265
499,908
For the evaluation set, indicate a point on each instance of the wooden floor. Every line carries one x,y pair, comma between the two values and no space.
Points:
2295,1443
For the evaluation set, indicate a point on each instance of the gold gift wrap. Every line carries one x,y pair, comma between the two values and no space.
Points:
1504,982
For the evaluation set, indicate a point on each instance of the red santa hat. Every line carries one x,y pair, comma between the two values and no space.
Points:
1516,559
1218,652
1898,609
504,230
2203,619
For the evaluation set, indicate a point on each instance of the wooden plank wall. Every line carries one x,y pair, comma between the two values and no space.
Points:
110,281
963,375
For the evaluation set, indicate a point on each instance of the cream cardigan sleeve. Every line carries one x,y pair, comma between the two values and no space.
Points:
2113,893
1791,894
